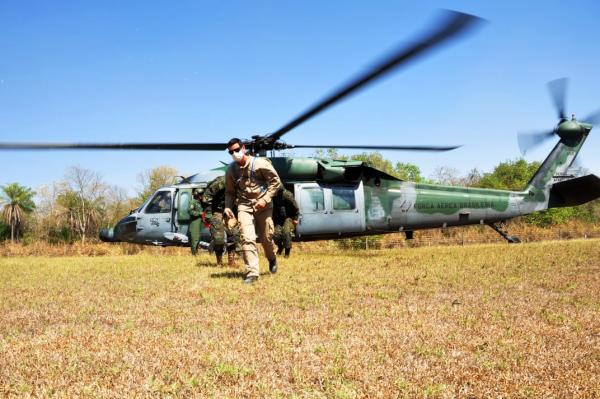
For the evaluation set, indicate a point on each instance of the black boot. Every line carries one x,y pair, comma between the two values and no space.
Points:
273,265
287,252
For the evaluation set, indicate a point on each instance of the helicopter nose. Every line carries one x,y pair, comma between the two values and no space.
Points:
107,235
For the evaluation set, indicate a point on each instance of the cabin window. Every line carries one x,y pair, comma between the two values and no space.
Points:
312,199
184,201
184,204
343,199
161,203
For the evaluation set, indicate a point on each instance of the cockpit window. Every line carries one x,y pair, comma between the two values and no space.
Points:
161,203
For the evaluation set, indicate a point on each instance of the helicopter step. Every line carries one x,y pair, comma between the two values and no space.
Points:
500,228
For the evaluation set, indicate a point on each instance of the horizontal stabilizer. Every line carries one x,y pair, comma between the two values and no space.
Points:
575,191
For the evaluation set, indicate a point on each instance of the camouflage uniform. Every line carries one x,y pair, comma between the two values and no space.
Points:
285,212
222,236
195,211
245,186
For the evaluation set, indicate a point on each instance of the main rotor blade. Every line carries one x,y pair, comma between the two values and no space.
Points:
115,146
593,118
454,24
528,141
558,92
382,147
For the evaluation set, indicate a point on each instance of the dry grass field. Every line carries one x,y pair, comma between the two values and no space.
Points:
468,321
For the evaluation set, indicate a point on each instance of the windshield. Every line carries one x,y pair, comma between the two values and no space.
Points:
160,203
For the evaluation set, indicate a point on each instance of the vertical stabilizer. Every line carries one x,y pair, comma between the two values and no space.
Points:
554,168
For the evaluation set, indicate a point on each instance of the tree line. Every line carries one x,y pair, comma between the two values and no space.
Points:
75,208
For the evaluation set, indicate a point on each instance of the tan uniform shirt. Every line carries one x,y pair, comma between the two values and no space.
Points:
245,185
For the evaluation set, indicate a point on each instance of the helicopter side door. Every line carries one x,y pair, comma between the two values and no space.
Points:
346,208
330,209
311,201
156,218
184,197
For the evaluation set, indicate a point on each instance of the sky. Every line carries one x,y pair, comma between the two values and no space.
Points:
199,71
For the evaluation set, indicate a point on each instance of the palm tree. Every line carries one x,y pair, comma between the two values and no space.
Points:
17,200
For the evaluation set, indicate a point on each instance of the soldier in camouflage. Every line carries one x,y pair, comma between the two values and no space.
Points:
285,218
195,211
224,234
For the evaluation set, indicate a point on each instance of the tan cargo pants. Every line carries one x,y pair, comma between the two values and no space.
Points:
251,223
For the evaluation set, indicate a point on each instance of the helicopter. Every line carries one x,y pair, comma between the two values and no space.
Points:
347,198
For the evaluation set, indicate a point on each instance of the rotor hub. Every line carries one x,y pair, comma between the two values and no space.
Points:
569,129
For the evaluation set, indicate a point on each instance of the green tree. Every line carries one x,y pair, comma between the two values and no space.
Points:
402,170
4,231
18,201
408,171
510,175
375,160
514,175
552,216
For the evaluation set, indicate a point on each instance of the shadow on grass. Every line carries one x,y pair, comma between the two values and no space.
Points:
234,274
206,263
230,274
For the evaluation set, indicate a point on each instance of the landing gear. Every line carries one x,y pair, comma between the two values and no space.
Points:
500,228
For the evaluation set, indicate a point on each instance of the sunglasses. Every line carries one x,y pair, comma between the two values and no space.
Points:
234,150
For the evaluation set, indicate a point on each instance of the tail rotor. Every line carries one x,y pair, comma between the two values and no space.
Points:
558,92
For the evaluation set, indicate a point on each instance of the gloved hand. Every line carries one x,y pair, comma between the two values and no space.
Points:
229,213
232,223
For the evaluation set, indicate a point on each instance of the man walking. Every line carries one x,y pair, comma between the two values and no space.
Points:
251,183
213,203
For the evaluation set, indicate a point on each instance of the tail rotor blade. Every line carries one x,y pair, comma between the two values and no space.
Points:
558,92
528,141
593,118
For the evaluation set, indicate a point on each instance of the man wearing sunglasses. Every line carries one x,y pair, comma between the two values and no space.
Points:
251,183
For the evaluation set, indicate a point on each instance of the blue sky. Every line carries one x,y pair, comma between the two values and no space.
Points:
207,71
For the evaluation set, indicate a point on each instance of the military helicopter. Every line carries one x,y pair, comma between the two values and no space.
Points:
341,198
